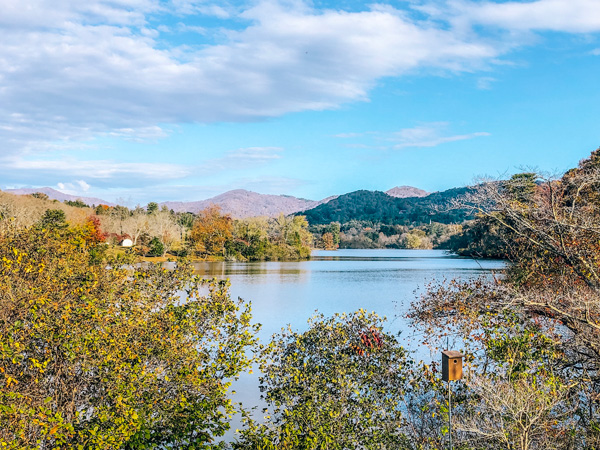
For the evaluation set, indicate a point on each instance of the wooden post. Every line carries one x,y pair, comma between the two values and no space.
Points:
452,362
449,416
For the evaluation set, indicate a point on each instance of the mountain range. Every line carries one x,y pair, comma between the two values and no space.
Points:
239,203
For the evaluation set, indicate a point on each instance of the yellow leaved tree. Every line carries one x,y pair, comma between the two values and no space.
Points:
103,354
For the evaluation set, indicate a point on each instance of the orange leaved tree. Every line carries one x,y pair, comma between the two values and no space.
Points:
211,230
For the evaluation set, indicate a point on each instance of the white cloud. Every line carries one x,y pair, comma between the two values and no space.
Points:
55,13
182,27
83,185
105,70
220,9
111,173
596,52
99,172
76,187
434,142
257,154
347,135
271,184
72,69
572,16
241,158
485,83
141,134
215,10
419,134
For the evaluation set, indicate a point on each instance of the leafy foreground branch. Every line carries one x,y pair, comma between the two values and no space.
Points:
345,384
337,385
101,357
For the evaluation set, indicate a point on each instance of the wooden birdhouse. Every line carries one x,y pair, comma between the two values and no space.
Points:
452,365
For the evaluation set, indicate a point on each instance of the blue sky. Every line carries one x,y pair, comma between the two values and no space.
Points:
148,100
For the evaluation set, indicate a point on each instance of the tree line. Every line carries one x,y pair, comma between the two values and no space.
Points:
209,233
361,234
155,231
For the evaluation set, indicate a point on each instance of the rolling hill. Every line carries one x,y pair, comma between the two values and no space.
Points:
53,194
403,205
379,207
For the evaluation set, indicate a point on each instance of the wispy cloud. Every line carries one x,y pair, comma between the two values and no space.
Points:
440,140
47,172
142,134
425,135
104,173
485,83
242,158
271,184
429,135
348,135
102,168
254,154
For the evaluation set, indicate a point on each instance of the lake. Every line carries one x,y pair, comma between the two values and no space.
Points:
385,281
382,280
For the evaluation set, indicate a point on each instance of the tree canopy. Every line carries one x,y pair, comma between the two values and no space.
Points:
99,355
378,207
534,333
338,385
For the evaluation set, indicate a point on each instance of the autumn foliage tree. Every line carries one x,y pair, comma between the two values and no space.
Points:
101,355
210,231
338,385
539,322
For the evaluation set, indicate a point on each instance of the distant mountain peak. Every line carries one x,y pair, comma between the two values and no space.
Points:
240,203
406,192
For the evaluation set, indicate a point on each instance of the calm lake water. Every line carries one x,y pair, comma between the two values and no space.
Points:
384,281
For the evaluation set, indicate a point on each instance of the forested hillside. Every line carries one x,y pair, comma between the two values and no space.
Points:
373,219
378,207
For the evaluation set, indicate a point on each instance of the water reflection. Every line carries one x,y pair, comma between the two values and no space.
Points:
384,281
254,272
